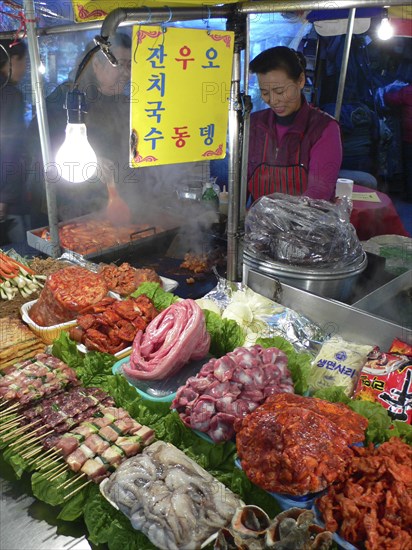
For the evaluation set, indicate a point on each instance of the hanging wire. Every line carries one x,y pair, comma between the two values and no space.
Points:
207,21
149,19
163,26
83,64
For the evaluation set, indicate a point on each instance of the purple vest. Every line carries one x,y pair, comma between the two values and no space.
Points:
304,132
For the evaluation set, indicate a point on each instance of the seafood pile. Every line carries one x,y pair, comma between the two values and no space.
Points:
294,529
66,293
371,502
228,388
170,498
297,445
175,337
125,279
111,325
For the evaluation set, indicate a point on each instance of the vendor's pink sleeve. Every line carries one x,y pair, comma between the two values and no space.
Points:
324,164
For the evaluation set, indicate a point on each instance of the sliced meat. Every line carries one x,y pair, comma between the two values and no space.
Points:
176,336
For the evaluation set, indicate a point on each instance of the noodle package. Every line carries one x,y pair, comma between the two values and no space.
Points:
386,378
338,363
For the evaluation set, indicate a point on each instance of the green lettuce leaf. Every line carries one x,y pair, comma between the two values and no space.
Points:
334,394
299,364
160,297
402,430
66,349
18,463
74,507
49,491
106,525
91,368
225,334
379,421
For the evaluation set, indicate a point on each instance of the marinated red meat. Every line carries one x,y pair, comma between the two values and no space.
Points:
125,279
297,445
66,293
111,325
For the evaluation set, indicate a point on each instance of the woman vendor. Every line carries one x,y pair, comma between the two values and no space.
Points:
293,147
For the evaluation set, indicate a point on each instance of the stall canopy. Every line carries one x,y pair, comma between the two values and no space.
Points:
400,18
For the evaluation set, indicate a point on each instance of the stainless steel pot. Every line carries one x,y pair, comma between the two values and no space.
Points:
336,283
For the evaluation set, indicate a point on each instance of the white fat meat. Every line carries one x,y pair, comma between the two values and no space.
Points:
209,367
176,336
224,368
241,376
218,389
184,397
221,427
202,412
96,444
198,384
77,458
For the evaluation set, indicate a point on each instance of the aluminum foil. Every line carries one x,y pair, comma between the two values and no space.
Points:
300,331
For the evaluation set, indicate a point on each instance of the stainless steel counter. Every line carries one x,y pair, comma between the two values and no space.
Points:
336,318
28,524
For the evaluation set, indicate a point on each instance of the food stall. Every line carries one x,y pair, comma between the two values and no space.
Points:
124,425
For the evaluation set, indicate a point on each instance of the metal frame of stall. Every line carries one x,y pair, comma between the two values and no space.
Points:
239,107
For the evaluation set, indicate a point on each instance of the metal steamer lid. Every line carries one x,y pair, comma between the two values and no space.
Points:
272,267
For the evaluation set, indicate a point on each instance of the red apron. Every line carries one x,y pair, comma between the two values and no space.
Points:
269,178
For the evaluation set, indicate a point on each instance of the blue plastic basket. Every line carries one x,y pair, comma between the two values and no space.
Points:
287,501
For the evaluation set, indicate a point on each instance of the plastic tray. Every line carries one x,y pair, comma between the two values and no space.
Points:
47,334
161,390
286,501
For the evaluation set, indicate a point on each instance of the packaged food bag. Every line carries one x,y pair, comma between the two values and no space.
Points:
387,379
338,363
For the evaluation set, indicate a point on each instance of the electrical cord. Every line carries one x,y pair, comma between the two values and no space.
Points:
83,64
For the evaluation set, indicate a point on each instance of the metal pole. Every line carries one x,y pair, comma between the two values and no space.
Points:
249,8
37,85
234,173
345,60
160,15
246,120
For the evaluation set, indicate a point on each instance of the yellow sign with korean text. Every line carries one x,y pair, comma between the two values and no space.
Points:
179,94
93,10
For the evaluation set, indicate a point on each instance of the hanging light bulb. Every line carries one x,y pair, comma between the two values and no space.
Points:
76,159
385,30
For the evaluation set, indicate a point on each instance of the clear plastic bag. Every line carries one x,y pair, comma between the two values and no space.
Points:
302,231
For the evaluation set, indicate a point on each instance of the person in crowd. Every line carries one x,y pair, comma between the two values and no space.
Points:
12,142
402,97
293,147
108,131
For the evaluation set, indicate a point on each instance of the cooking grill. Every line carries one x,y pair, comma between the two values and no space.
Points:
144,240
